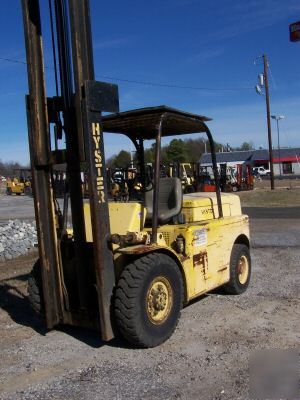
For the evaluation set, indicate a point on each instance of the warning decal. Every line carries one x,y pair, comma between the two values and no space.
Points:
200,237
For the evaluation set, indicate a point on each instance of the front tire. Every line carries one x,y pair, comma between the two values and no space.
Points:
240,269
148,301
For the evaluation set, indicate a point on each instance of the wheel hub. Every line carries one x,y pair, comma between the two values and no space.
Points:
159,300
243,270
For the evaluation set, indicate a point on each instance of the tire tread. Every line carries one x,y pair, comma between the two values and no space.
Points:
126,295
233,286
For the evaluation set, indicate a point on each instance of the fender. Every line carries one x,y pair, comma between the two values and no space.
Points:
141,249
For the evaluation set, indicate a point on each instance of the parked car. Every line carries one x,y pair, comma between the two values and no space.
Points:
261,171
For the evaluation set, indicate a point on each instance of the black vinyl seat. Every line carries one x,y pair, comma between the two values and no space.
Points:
169,200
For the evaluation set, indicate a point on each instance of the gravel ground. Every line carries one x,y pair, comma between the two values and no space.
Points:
206,358
16,238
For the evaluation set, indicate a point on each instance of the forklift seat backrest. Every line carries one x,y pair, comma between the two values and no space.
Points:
169,200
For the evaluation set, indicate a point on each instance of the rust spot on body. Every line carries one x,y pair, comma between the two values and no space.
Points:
200,260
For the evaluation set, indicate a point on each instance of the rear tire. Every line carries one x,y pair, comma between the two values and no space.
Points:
35,290
240,269
148,301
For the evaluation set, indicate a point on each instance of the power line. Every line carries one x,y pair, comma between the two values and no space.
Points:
12,60
168,85
173,86
273,80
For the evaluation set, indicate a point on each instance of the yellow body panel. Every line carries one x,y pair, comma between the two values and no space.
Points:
208,247
124,217
208,240
203,206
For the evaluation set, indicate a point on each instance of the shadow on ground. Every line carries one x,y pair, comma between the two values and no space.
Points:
15,302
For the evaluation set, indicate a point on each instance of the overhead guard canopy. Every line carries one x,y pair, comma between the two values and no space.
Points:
156,122
143,123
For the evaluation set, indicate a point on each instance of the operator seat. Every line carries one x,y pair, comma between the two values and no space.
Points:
169,200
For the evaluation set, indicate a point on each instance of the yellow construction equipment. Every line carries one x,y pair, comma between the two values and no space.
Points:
20,183
125,268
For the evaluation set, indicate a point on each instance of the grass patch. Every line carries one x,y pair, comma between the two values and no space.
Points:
270,198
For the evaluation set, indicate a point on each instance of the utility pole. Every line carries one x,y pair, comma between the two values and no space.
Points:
266,81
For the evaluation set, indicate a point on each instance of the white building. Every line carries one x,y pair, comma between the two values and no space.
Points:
287,159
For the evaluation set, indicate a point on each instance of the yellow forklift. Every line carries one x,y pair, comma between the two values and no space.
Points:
20,183
124,268
186,173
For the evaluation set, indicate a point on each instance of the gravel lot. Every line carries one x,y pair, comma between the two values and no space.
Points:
206,358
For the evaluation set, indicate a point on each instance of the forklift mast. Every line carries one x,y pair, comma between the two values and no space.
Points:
75,115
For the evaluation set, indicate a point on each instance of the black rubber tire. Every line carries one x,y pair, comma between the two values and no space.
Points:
8,191
35,290
234,286
130,300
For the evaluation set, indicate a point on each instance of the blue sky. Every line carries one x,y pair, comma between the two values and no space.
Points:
177,42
